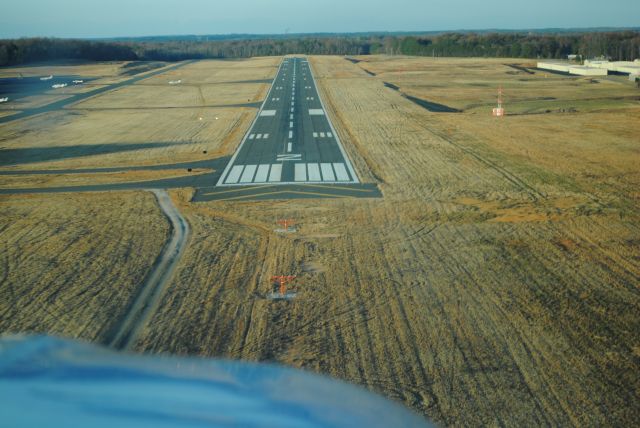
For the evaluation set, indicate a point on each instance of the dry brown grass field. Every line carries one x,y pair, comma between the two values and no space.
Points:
495,283
70,264
147,123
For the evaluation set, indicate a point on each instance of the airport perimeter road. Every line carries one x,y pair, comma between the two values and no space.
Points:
291,140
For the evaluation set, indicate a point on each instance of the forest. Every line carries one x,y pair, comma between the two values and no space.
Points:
614,45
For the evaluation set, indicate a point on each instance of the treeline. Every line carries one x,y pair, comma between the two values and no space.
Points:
180,50
617,46
21,51
621,45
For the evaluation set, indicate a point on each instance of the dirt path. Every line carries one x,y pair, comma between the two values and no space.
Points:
149,295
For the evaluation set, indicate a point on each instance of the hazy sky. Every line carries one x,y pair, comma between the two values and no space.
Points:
108,18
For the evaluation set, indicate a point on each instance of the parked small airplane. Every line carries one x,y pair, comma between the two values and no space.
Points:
59,85
78,81
4,100
49,77
175,82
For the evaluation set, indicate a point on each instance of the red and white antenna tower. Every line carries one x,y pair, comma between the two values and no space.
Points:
499,111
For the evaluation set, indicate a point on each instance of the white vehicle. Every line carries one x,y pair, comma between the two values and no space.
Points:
4,100
49,77
59,85
77,82
175,82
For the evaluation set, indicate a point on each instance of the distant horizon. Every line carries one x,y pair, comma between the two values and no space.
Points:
347,33
137,18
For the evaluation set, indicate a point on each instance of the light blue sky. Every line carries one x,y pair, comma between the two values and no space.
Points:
109,18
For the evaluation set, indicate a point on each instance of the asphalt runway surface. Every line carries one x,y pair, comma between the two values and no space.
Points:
291,141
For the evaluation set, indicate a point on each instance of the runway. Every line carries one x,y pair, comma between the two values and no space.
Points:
292,140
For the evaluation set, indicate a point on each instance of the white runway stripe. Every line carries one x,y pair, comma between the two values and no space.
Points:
314,172
252,136
258,137
341,172
329,134
268,113
276,172
289,147
316,112
315,135
290,134
247,174
261,175
322,135
300,172
234,174
327,172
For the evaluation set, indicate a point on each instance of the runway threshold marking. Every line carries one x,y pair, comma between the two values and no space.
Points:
276,173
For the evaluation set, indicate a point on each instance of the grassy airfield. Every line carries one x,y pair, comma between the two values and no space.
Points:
496,282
